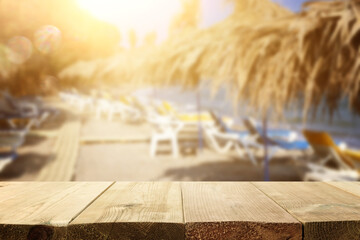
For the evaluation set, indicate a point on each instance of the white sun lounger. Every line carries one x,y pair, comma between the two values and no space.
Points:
229,141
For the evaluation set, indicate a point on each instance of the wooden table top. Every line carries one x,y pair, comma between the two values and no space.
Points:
179,210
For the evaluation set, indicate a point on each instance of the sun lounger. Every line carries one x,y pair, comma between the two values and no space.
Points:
191,118
28,107
254,139
325,150
9,142
12,138
284,137
274,144
322,173
6,158
77,100
9,114
329,162
224,142
166,130
111,108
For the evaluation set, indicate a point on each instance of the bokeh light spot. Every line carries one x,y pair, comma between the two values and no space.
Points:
19,49
47,39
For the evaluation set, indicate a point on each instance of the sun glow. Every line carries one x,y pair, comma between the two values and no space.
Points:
143,16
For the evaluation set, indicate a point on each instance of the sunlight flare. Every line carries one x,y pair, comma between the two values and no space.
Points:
141,15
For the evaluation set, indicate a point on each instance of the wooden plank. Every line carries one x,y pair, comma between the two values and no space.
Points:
64,154
107,139
351,187
133,211
230,210
45,211
13,189
44,133
68,161
327,212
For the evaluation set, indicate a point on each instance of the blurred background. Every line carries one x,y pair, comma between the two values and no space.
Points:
201,90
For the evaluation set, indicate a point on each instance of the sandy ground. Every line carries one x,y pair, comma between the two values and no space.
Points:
132,162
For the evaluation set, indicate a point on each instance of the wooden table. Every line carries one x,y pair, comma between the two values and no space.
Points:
173,210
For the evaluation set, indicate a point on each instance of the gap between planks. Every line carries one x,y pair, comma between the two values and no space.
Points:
90,203
326,211
346,188
274,201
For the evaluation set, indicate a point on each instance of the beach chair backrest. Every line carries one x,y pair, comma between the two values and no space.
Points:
218,121
125,100
211,139
250,126
323,145
5,108
168,107
165,108
10,100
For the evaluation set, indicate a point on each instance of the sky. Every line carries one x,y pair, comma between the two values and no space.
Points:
214,11
139,14
294,5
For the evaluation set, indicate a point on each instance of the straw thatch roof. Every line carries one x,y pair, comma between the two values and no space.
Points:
82,70
6,67
269,56
273,62
153,64
179,59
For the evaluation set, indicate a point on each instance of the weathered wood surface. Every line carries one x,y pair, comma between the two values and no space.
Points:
133,211
171,210
62,161
232,210
107,139
43,210
326,212
351,187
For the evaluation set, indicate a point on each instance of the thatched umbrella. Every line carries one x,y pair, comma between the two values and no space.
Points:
269,56
177,58
6,66
274,60
82,70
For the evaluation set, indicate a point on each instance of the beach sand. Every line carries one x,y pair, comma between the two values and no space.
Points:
132,162
122,160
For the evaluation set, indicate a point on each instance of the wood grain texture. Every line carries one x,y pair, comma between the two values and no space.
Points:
234,211
43,210
351,187
13,189
133,211
61,165
327,212
105,139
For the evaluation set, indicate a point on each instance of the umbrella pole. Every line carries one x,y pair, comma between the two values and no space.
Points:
154,93
266,150
198,102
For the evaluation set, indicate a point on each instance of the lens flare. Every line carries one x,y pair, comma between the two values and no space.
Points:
48,83
19,49
293,136
342,146
47,39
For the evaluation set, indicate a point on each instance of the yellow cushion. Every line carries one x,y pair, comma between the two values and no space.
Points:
206,117
353,154
124,100
168,107
324,139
